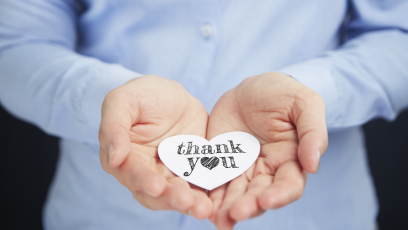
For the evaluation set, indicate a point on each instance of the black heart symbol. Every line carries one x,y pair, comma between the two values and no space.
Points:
210,163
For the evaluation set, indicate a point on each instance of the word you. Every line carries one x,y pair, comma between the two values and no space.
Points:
208,162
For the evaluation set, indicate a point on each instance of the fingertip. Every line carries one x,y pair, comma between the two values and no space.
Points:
274,197
310,151
212,219
312,132
155,186
224,221
104,161
243,209
309,164
216,204
201,212
266,201
119,148
288,187
116,158
185,201
240,215
203,206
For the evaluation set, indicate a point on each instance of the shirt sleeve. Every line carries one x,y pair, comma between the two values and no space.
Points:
367,77
42,79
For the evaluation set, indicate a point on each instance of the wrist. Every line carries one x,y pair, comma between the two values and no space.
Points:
105,79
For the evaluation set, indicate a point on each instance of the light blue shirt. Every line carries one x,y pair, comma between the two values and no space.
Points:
59,58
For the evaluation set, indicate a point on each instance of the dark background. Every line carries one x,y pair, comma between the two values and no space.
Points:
28,158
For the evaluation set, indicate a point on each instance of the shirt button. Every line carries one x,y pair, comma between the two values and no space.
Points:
206,30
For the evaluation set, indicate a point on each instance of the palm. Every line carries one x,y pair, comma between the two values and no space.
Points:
268,112
146,135
160,121
156,109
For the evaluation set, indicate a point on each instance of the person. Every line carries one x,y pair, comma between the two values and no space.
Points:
294,74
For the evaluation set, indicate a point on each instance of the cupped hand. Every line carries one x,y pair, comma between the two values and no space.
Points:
136,117
288,119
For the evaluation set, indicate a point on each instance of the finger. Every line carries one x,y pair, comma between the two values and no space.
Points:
217,195
236,188
225,118
247,205
202,207
118,115
138,177
310,121
287,187
177,196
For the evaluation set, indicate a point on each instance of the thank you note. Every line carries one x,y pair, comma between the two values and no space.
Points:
209,164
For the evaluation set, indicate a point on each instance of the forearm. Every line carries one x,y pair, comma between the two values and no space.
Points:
364,79
57,89
42,79
367,76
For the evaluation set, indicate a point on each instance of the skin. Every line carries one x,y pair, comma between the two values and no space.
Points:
136,117
289,121
287,117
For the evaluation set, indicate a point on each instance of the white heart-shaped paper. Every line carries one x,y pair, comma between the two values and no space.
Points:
209,164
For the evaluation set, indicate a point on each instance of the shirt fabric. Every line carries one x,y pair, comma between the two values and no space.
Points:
59,58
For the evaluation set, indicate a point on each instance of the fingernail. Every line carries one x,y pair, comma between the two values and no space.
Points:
318,160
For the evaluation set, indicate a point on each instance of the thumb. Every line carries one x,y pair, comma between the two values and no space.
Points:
310,121
118,116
